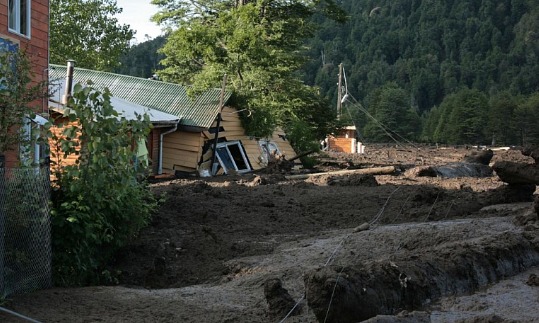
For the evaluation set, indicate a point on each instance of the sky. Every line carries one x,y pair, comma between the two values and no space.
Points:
137,13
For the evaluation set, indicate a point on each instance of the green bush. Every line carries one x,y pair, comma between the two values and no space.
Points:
98,203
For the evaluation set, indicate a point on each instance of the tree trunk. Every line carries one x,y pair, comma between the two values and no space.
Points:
371,171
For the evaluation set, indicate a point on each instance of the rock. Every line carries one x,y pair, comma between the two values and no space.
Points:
479,157
532,152
533,280
278,299
517,173
363,227
527,218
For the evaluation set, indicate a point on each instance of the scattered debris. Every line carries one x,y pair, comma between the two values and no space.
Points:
452,170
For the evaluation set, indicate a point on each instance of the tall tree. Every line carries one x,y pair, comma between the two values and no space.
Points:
18,94
88,32
526,119
142,60
501,117
392,117
258,44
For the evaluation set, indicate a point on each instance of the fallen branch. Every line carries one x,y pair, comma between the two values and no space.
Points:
370,171
301,155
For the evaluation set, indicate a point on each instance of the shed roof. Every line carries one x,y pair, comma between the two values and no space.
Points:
124,108
166,97
130,111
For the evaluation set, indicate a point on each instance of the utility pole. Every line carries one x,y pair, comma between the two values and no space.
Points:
339,93
216,138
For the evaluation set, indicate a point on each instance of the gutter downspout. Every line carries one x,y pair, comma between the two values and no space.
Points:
160,166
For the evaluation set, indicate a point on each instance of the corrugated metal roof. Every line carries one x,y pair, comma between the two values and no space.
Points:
166,97
128,110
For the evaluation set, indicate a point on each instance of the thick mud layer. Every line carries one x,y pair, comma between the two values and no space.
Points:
245,248
354,293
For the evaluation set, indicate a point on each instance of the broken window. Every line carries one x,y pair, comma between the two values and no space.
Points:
231,156
269,150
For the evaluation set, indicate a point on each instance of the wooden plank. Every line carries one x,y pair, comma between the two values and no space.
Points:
232,122
373,171
235,134
233,128
191,160
184,169
180,155
193,140
175,141
181,147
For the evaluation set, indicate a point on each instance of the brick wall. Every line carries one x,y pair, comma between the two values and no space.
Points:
343,145
37,46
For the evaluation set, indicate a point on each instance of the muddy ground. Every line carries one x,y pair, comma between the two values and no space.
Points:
251,248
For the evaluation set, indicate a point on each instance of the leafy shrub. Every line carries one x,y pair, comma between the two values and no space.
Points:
98,203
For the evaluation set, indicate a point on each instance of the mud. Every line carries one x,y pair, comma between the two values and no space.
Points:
244,248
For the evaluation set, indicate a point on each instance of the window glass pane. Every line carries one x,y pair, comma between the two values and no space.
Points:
12,14
24,17
8,50
225,158
238,157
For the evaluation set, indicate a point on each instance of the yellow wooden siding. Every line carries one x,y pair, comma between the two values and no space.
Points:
284,145
233,130
181,150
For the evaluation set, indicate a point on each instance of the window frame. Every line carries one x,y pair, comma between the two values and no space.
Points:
227,161
268,147
14,17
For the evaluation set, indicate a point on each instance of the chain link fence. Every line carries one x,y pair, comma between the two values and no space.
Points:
25,230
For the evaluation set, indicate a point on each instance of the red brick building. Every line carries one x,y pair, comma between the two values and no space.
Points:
24,24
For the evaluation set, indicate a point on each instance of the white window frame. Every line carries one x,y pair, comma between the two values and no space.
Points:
14,17
268,147
225,145
31,151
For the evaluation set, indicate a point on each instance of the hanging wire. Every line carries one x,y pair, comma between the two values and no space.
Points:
386,129
26,318
334,253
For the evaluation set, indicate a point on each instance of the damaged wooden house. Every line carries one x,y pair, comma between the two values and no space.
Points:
192,133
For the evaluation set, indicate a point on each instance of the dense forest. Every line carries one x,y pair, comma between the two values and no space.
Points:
142,60
451,71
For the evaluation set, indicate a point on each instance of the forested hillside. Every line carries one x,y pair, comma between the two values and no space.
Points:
417,53
430,47
448,71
